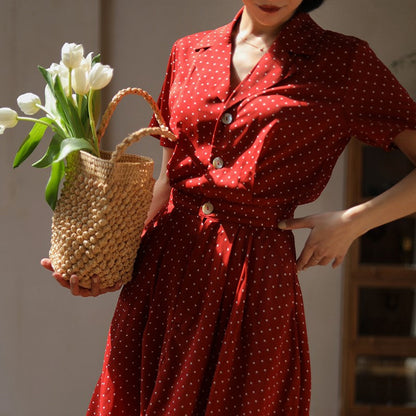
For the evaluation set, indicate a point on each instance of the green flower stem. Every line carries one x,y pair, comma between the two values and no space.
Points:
54,126
79,103
33,120
92,123
46,111
70,97
70,82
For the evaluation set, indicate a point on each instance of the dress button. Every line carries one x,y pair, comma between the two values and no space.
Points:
218,163
207,208
227,118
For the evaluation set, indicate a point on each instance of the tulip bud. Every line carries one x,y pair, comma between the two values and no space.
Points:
86,62
62,71
58,69
100,76
28,103
72,55
80,75
80,82
8,118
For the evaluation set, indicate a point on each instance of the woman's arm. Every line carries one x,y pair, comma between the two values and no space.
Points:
332,233
161,190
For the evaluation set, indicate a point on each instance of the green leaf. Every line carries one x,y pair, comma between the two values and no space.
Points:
50,155
77,124
85,118
62,105
49,80
96,106
68,110
95,59
47,76
52,188
31,141
58,129
72,145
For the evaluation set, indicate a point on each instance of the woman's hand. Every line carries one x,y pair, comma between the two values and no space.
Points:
332,233
161,189
73,283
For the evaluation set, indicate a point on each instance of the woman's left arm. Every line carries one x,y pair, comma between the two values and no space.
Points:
332,233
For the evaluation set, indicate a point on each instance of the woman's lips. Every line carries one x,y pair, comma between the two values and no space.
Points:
269,9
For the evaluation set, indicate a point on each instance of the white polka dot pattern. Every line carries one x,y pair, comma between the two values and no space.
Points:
213,321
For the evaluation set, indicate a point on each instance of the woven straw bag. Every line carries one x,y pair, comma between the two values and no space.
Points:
99,217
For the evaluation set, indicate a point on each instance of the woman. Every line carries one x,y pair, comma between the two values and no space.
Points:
213,322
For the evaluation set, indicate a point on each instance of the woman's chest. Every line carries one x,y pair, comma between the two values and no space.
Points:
279,97
282,123
300,107
243,61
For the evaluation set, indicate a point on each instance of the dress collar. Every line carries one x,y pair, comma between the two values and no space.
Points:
300,35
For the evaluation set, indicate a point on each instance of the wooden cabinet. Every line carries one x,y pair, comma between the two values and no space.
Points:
379,332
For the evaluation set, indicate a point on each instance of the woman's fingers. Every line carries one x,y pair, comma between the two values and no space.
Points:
95,286
78,290
95,290
330,237
58,277
305,258
73,283
325,260
296,223
338,261
114,288
315,260
47,264
309,258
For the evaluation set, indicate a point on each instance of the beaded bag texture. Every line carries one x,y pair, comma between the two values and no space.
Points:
99,217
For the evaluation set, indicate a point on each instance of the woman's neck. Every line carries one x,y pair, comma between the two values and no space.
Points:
250,28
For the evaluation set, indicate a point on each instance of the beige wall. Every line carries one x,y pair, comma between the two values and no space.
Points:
52,344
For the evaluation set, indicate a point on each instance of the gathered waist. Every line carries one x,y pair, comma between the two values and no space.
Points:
221,210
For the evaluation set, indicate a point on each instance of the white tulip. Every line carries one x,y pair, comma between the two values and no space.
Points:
8,118
62,71
72,55
29,103
86,62
100,76
50,102
80,82
2,128
50,107
58,69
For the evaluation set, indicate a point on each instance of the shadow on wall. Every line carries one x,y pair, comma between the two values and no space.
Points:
404,68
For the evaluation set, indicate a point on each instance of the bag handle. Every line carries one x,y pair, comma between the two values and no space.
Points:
136,136
162,130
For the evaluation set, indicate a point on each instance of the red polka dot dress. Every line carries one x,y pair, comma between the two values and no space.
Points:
212,322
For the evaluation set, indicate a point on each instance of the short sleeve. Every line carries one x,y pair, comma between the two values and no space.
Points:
377,107
163,100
